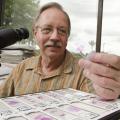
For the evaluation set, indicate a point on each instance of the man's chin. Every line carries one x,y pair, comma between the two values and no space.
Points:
52,54
53,50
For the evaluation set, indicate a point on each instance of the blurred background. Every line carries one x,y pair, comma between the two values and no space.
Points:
83,15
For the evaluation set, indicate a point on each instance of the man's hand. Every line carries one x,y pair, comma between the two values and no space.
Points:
104,71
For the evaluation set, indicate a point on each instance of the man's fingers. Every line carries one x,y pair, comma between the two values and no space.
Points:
106,94
108,59
104,71
99,69
103,81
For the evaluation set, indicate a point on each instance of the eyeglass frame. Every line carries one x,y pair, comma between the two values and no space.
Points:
48,30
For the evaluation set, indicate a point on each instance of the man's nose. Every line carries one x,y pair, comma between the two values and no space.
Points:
55,35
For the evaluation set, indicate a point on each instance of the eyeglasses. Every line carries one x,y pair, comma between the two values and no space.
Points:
47,30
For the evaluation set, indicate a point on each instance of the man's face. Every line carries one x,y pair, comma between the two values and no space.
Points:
52,32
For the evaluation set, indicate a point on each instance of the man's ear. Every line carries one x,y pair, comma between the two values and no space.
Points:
34,32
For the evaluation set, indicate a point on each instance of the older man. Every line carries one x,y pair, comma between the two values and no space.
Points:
56,67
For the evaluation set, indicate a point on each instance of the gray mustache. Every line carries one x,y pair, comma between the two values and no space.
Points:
53,44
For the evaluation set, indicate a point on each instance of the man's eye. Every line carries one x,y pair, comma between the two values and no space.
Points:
46,30
62,31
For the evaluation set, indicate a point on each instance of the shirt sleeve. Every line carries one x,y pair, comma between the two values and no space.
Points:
85,85
7,86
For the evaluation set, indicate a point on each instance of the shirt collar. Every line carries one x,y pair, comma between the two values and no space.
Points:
67,65
33,64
